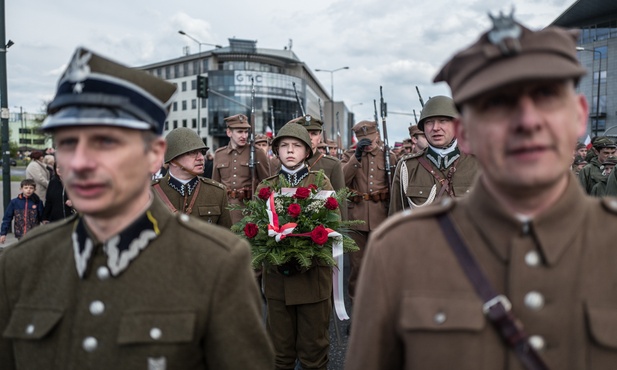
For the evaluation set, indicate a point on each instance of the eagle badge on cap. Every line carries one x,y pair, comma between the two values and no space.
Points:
78,71
307,120
505,33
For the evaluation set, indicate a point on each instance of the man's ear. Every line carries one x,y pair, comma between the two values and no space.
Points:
460,132
156,154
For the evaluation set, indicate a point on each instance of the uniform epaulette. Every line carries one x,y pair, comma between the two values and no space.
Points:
410,156
610,204
271,177
209,181
221,148
431,211
219,235
329,157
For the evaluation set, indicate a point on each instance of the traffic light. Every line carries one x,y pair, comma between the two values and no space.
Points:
202,87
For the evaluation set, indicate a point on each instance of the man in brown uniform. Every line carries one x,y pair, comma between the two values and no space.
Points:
442,170
528,224
418,139
231,164
330,165
124,284
183,189
365,175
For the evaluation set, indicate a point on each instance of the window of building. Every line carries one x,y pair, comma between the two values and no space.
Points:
204,103
168,74
185,69
166,125
176,71
196,67
183,123
194,84
183,85
204,122
194,123
175,106
603,31
175,124
184,105
602,50
593,105
194,104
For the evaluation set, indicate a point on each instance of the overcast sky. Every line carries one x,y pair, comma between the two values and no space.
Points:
398,44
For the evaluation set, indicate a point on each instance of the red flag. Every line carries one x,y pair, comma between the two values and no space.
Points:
269,132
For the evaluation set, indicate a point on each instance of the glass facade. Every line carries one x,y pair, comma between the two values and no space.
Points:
230,93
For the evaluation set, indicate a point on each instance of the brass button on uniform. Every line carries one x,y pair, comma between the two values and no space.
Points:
439,318
102,273
90,344
537,342
532,259
156,333
97,308
30,329
534,300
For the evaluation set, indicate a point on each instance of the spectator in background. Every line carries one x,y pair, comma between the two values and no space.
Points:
208,164
50,163
26,209
37,170
578,164
57,203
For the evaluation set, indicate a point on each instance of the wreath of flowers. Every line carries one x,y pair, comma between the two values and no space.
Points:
283,224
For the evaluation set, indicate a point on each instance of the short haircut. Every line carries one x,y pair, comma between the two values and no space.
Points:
27,182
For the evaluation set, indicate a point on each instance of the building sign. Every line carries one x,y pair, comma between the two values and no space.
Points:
267,85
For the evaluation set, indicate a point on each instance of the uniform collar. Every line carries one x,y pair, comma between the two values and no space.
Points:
178,186
553,231
240,149
443,157
294,179
122,248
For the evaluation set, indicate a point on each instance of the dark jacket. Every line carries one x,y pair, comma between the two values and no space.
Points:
55,203
27,212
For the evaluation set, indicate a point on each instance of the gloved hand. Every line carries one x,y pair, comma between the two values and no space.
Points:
362,144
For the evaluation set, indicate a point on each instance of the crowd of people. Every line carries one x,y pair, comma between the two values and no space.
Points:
470,250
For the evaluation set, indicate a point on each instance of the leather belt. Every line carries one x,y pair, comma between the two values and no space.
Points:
239,194
378,196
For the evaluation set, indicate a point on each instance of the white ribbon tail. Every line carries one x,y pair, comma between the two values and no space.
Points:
337,276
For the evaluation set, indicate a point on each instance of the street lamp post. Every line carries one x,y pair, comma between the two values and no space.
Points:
199,61
331,71
598,93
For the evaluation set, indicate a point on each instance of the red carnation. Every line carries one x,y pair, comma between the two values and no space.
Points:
302,193
251,230
294,210
331,203
264,193
319,235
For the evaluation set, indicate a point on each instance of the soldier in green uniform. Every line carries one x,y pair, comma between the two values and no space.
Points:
542,245
599,189
331,166
439,171
183,189
591,174
418,139
299,303
125,283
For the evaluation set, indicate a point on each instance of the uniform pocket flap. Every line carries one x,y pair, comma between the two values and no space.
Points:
442,313
32,323
222,165
152,327
210,211
603,325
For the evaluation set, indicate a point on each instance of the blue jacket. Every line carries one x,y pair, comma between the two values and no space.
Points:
28,212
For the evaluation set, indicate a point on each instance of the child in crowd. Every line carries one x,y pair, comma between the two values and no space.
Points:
26,209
